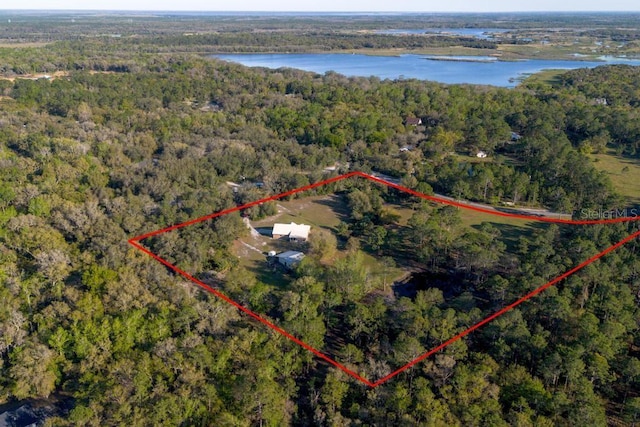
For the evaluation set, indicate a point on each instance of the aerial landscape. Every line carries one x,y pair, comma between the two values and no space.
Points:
280,215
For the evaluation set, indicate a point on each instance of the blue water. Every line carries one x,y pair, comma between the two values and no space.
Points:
423,67
480,33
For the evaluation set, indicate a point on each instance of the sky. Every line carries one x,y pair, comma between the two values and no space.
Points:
332,5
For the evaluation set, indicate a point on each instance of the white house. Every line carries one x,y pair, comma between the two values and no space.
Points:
290,258
294,232
481,154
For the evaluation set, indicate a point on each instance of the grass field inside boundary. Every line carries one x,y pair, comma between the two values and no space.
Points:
320,212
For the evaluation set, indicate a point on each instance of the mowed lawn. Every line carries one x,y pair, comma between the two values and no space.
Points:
472,218
624,173
320,212
317,211
511,228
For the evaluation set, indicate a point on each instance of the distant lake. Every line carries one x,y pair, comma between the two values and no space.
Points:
479,33
451,70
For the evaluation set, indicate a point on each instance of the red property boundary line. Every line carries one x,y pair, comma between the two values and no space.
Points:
135,242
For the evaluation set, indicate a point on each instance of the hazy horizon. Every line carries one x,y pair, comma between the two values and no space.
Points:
319,12
333,6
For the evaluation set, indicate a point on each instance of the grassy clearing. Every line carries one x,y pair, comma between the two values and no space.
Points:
511,228
318,211
403,211
324,212
470,218
49,76
624,173
381,273
473,158
551,77
21,45
473,218
256,262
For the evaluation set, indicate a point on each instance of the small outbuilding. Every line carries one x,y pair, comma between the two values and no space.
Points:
413,121
481,155
290,258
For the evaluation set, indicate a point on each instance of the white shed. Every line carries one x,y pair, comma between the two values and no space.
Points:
290,258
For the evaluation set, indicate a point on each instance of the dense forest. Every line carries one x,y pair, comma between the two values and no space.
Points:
119,142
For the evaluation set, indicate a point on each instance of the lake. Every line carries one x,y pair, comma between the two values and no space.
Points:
451,70
479,33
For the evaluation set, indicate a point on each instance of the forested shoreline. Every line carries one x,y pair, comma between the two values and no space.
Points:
121,142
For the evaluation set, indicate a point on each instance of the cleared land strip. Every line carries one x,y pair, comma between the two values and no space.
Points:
522,211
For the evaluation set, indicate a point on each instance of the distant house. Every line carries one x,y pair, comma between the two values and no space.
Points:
290,258
481,154
211,106
600,101
294,232
234,187
515,136
413,121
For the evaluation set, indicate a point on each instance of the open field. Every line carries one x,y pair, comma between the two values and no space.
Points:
50,76
19,45
318,211
321,212
624,173
473,159
545,76
511,228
